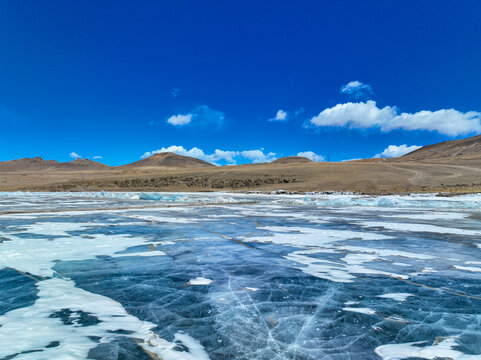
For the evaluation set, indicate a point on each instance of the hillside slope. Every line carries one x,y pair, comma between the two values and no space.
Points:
454,151
292,159
170,160
39,164
27,164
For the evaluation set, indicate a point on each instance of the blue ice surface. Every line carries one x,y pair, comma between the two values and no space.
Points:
291,314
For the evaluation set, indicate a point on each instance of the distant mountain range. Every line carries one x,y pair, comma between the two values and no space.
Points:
464,151
451,166
39,164
167,160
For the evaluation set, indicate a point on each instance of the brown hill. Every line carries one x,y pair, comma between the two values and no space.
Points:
292,159
39,164
27,164
170,160
82,164
454,151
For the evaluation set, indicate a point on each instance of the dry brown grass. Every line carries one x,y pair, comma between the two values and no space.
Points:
361,177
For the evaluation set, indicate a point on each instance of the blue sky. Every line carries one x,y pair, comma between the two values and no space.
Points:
254,80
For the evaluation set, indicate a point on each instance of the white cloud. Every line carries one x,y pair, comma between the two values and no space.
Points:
356,89
281,115
200,115
97,157
258,156
194,152
395,151
228,157
180,119
363,115
74,155
311,155
218,155
446,121
354,115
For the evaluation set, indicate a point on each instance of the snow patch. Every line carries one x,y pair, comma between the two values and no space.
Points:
199,281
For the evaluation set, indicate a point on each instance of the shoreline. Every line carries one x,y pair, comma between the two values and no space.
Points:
251,192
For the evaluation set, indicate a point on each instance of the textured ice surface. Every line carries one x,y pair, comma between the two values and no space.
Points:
239,276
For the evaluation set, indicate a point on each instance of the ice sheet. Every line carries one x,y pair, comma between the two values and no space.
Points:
242,276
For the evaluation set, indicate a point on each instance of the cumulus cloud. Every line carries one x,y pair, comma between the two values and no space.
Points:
355,115
74,155
362,115
356,89
397,150
281,115
216,156
258,156
228,157
200,115
311,155
180,119
194,152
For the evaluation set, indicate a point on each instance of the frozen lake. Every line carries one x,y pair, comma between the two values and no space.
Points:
239,276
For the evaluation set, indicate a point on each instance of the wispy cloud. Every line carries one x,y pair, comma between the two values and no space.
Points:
397,150
98,157
74,155
363,115
356,89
